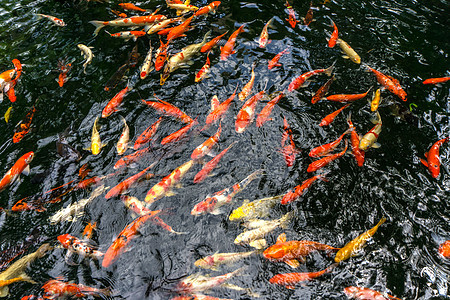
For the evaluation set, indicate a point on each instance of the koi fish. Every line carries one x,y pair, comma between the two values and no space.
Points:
87,55
227,49
255,209
179,134
300,189
390,83
55,20
5,283
122,144
264,37
179,30
112,105
274,61
433,163
247,113
197,283
119,14
370,138
213,262
355,245
75,245
444,249
376,100
436,80
361,293
309,15
131,158
161,25
197,296
5,81
117,77
264,115
161,55
96,143
300,81
127,35
169,110
162,188
89,230
354,139
318,164
123,186
289,151
330,118
147,135
291,252
131,6
204,70
21,166
292,20
327,148
349,52
289,280
248,86
63,70
210,8
24,127
181,7
334,36
122,240
8,114
147,66
346,97
132,21
55,289
220,109
211,204
207,145
209,45
209,166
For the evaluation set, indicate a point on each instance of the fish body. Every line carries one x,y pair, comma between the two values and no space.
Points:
147,135
131,6
87,55
161,25
376,99
207,145
204,70
300,80
319,95
349,52
131,158
132,21
318,164
212,203
291,252
274,61
56,289
444,249
112,105
127,35
346,97
354,142
288,148
197,283
248,86
122,144
24,127
209,45
181,8
219,110
89,230
433,162
300,189
355,245
361,293
123,186
390,83
55,20
21,165
291,19
247,113
161,56
214,261
330,118
309,15
96,143
179,30
162,188
255,209
209,166
334,36
227,49
5,81
147,66
264,37
119,14
169,110
210,8
79,247
370,138
436,80
327,148
289,280
179,134
267,110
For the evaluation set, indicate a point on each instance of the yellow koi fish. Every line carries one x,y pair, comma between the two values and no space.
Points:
122,144
376,100
96,143
255,209
349,52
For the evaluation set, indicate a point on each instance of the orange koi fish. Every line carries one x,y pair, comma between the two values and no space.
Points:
227,49
204,70
346,97
433,163
248,86
309,15
131,158
291,252
55,20
361,293
289,280
63,70
89,182
131,6
330,118
5,81
79,247
264,115
354,140
289,151
436,80
209,45
123,186
316,165
127,35
169,110
220,110
292,20
162,188
210,8
300,81
264,37
444,249
247,113
207,145
158,27
300,189
132,21
9,88
209,166
119,14
89,230
179,30
327,148
56,289
147,135
112,105
161,56
21,166
177,135
391,84
334,36
274,61
122,240
24,127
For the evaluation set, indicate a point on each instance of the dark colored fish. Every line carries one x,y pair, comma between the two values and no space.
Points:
117,77
65,150
401,111
24,127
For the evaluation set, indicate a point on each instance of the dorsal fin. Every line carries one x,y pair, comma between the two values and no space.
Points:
281,238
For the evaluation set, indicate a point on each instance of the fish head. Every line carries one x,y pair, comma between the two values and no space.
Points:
351,291
28,157
20,206
65,240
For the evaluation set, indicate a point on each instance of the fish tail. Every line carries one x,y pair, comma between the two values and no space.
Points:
383,219
330,69
284,221
246,181
206,37
98,25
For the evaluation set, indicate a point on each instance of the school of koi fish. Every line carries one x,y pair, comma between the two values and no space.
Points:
169,23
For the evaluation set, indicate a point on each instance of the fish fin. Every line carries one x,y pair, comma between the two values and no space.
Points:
424,162
291,287
258,244
345,56
426,154
170,194
281,238
292,263
98,25
376,145
306,83
4,291
26,171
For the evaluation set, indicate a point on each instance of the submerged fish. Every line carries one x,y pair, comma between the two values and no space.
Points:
214,261
56,289
255,209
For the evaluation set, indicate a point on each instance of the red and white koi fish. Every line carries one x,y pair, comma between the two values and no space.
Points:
264,37
5,81
289,280
264,115
247,113
300,189
131,6
147,66
132,21
370,138
9,88
197,283
248,86
179,30
274,61
360,293
161,56
21,166
390,83
56,289
354,142
212,203
162,188
210,8
433,163
209,166
204,70
169,110
330,118
444,249
334,36
227,49
112,105
436,80
147,135
123,186
327,148
79,247
220,110
289,150
131,158
127,35
209,45
207,145
55,20
177,135
319,95
346,97
292,20
318,164
122,144
300,81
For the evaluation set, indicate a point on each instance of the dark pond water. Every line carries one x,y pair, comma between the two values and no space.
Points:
407,40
